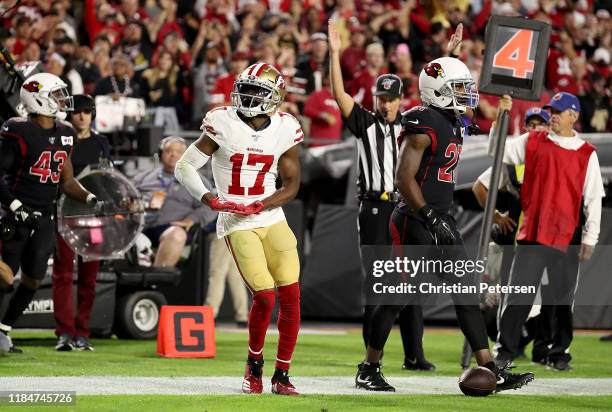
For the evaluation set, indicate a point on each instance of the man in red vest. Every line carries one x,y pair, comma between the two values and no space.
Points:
562,177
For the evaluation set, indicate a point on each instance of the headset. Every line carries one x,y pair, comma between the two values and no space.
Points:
168,140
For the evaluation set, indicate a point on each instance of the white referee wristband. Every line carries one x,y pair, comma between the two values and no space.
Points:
186,171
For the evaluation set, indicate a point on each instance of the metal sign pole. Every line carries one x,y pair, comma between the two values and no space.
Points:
485,231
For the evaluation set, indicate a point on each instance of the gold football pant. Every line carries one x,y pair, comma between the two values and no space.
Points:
266,257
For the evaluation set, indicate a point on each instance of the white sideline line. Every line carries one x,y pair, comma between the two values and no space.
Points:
329,385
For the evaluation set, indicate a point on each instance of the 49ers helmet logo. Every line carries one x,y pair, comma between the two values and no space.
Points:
32,86
434,70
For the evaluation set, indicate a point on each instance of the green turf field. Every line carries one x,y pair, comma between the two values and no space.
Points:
343,403
316,355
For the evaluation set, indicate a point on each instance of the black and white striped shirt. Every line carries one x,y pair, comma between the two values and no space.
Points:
377,147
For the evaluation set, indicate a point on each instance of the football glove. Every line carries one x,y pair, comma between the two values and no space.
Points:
251,209
25,215
441,232
225,206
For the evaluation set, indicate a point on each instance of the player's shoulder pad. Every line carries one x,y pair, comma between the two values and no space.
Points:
420,113
213,121
292,125
14,125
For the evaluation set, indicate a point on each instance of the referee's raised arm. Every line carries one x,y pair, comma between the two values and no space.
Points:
344,100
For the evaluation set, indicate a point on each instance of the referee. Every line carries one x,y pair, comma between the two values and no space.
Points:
376,135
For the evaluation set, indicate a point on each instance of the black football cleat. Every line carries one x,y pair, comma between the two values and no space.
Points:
370,377
507,380
560,365
418,365
606,338
12,347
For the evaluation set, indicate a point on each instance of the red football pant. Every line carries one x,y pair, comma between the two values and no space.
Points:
259,319
288,323
63,267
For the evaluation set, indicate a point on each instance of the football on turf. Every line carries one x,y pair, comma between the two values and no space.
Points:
478,381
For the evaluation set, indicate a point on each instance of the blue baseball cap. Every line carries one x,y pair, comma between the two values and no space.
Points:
563,101
536,111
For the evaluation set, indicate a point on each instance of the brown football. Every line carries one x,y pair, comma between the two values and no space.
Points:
478,381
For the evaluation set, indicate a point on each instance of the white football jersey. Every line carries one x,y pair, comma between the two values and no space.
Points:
245,166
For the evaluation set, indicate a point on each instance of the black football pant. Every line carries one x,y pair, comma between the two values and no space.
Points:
557,317
374,218
410,230
30,251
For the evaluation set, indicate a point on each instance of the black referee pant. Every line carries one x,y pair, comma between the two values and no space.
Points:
412,231
374,217
529,263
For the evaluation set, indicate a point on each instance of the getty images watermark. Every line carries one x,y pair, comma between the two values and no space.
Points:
427,275
405,270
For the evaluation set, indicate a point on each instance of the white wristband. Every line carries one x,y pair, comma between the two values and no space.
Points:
15,204
186,171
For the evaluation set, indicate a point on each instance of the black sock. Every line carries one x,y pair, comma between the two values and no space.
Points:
491,366
18,303
280,374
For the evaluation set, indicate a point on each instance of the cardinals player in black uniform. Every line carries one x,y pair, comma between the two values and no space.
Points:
430,145
34,162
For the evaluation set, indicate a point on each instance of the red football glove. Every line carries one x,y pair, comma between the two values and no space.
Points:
251,209
225,206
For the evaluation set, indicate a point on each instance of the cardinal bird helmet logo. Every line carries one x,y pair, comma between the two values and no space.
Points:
434,70
32,86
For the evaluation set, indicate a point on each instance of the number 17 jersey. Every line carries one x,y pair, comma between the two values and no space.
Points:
245,167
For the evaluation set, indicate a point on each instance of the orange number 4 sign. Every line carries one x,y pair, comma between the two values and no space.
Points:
514,55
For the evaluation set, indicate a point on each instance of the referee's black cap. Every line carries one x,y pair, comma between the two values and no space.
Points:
388,85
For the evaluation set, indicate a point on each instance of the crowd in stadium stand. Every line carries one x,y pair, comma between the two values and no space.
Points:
184,54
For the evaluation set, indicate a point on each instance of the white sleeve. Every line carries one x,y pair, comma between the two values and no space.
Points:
514,153
485,178
186,171
515,150
592,193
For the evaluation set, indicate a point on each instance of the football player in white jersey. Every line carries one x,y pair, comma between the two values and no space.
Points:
250,144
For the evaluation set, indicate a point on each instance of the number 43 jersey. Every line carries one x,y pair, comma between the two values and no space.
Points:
245,167
38,158
437,172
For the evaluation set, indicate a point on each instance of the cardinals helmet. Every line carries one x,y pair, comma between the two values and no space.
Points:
447,83
46,94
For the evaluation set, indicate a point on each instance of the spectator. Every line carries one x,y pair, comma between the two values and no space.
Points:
353,58
136,45
220,95
325,117
22,34
204,78
222,269
87,69
119,83
310,67
66,47
596,109
171,210
158,85
402,60
366,80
